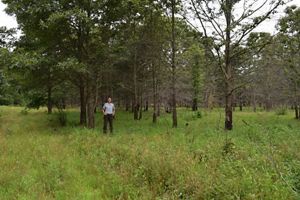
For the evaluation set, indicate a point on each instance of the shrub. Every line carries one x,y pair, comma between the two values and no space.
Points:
35,100
24,111
281,111
199,114
228,148
62,118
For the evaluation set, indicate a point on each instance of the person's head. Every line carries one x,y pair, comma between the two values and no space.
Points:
109,99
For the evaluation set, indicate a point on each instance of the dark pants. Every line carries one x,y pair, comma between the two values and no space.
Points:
108,118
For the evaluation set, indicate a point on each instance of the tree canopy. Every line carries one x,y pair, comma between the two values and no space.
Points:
149,54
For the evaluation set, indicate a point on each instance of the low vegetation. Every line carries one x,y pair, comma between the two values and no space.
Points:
40,159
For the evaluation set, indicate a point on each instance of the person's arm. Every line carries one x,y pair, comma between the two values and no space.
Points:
103,109
114,110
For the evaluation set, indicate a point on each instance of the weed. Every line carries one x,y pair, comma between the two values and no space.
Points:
141,161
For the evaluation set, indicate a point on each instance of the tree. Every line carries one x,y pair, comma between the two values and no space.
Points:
37,52
289,38
81,32
173,42
229,35
8,94
194,57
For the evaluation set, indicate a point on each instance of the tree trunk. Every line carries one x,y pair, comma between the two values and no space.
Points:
241,105
135,110
127,105
49,103
90,113
210,100
174,111
82,105
158,108
154,84
228,108
92,99
296,111
296,107
254,107
228,69
268,105
64,103
195,104
254,101
146,106
141,108
90,106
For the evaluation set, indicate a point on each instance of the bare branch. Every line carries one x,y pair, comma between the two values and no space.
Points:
199,17
246,31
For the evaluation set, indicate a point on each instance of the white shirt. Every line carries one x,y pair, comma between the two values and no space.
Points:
109,108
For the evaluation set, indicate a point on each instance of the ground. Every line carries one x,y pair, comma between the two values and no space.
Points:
259,159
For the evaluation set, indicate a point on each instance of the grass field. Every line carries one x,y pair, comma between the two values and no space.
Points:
259,159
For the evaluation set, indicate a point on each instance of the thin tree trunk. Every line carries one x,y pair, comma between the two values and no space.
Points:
135,110
154,116
49,103
64,103
254,101
228,108
296,107
174,111
138,107
158,108
90,111
141,108
268,105
127,104
92,98
82,105
228,69
195,77
296,111
146,105
195,104
241,104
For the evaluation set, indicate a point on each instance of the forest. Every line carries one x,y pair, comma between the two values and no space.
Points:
207,107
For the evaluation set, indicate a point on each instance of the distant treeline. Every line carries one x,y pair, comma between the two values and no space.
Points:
158,54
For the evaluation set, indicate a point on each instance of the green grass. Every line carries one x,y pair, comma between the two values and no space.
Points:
259,159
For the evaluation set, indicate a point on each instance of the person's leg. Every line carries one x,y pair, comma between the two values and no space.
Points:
111,123
105,124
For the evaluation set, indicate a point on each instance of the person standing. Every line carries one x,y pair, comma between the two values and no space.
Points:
108,115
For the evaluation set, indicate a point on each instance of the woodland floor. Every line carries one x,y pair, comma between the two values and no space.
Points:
259,159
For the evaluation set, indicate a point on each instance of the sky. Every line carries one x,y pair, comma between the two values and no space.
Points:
267,26
6,20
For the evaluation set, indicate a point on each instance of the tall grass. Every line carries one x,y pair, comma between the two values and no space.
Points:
259,159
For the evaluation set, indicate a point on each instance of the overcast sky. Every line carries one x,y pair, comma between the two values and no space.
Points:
267,26
6,20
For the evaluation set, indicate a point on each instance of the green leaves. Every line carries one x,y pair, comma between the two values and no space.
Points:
289,37
72,64
290,24
7,37
26,60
